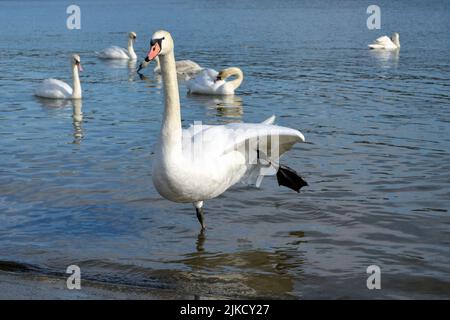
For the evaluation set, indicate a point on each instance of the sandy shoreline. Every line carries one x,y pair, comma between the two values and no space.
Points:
18,286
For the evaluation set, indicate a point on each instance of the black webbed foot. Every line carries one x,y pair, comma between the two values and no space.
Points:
289,178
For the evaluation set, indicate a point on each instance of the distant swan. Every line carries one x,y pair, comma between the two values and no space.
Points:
210,81
200,163
185,68
115,52
57,89
387,43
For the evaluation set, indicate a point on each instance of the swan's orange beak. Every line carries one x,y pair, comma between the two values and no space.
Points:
154,51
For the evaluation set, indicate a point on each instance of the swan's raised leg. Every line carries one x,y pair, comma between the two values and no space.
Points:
200,216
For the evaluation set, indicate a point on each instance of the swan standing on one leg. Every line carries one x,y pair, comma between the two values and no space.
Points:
185,68
200,163
57,89
386,43
115,52
211,82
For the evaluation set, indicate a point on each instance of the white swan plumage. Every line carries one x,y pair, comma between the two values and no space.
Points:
211,82
386,43
185,68
57,89
199,163
115,52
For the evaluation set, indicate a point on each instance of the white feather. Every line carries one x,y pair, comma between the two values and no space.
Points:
54,89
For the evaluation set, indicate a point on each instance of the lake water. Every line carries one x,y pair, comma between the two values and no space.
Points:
377,157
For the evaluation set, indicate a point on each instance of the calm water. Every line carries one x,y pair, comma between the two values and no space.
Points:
377,157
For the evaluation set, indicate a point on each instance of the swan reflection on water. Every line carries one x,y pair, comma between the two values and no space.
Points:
386,58
77,117
53,103
123,64
59,105
153,82
238,280
229,106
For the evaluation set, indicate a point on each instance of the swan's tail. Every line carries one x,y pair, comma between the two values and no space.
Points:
269,120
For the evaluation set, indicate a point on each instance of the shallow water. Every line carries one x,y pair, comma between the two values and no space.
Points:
376,159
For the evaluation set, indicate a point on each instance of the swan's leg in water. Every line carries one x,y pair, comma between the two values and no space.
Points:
200,216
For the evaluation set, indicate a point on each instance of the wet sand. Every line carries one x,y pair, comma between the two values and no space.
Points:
19,286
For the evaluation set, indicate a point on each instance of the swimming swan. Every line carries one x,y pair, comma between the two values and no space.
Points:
210,81
199,163
57,89
115,52
185,68
387,43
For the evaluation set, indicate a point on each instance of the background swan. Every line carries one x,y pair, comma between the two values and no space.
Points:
387,43
203,161
210,81
57,89
185,68
115,52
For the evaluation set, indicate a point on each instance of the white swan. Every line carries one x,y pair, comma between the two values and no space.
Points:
387,43
115,52
201,162
57,89
185,68
210,81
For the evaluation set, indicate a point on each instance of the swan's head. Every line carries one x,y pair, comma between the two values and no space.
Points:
161,44
228,72
132,35
76,61
396,38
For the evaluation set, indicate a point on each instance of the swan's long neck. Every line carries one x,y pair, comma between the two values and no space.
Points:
76,93
131,49
238,80
171,133
158,64
396,42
